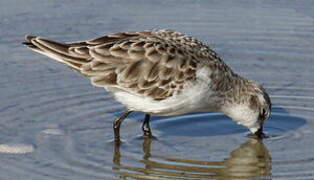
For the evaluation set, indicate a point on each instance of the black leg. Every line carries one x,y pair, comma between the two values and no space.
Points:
116,125
145,127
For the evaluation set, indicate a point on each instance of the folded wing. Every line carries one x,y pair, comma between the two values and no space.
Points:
154,64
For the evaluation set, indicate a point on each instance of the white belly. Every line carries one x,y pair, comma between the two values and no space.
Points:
193,98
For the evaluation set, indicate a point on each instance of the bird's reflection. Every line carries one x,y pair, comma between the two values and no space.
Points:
251,160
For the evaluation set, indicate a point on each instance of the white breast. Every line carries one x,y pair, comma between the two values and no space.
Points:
193,98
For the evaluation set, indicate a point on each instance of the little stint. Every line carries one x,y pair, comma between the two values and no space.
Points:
162,72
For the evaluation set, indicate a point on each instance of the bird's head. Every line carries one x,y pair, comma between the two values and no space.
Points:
251,107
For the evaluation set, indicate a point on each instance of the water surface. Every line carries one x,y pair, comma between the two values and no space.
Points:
55,125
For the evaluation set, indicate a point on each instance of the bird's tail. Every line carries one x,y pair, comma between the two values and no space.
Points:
65,53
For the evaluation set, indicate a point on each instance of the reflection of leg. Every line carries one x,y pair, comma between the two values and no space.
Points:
116,125
145,127
116,156
146,147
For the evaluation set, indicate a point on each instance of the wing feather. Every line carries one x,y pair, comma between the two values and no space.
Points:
149,63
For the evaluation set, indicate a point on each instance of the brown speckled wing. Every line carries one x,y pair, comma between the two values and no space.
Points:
148,63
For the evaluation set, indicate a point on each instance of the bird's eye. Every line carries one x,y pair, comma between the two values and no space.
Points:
264,114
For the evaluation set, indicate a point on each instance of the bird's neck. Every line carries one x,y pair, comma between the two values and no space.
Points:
232,89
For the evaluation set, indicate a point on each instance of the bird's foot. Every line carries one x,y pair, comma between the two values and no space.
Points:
117,141
146,136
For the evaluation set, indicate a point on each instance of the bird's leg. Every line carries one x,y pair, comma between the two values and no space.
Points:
145,127
117,123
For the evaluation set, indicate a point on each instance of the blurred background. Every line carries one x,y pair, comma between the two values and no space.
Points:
55,125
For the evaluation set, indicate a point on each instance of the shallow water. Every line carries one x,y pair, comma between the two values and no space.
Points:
55,125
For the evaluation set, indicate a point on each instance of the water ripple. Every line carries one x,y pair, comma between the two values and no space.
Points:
55,125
